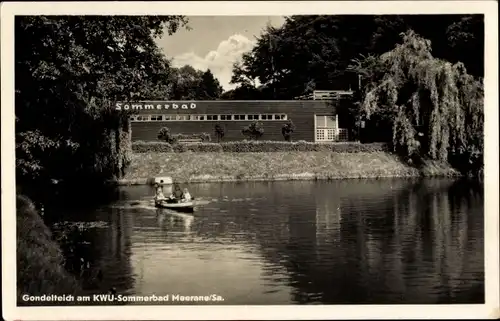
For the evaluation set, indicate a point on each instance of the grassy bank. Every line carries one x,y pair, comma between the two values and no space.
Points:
40,267
208,167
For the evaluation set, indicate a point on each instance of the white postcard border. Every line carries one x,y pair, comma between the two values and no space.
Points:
491,240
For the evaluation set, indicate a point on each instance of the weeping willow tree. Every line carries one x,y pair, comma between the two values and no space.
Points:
434,108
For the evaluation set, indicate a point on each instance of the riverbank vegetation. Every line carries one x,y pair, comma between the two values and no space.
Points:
227,166
40,263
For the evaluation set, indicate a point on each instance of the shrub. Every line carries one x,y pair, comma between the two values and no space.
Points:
287,130
205,137
165,135
179,148
205,148
257,147
276,146
219,132
151,147
255,130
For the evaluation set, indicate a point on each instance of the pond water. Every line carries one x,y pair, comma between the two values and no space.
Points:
301,242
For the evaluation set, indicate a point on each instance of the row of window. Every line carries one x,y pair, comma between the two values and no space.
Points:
208,117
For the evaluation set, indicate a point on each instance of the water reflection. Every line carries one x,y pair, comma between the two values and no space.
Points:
373,241
99,256
172,221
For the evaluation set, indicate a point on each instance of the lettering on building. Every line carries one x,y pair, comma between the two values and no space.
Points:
153,106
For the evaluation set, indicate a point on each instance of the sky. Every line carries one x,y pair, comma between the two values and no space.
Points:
215,42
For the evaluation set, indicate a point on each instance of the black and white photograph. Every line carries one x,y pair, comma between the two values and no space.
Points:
250,160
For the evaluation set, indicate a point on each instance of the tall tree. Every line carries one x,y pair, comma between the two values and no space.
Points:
209,87
466,39
185,83
243,92
313,52
69,73
188,83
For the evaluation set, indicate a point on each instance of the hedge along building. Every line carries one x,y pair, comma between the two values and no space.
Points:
314,120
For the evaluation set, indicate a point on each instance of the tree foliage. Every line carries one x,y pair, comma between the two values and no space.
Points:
69,72
243,92
313,52
435,108
210,87
187,83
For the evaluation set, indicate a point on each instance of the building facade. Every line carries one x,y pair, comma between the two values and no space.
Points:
314,120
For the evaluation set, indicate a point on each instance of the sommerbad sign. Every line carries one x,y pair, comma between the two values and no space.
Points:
158,105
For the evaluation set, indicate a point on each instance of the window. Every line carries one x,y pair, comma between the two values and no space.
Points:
331,122
321,121
326,121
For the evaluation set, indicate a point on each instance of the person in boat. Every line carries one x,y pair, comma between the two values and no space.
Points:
159,192
186,197
177,194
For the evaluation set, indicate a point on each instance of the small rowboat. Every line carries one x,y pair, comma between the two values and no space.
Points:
187,207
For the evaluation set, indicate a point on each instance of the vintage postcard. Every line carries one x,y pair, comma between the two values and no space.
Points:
250,160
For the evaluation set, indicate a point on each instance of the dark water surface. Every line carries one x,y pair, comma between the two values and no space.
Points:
340,242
